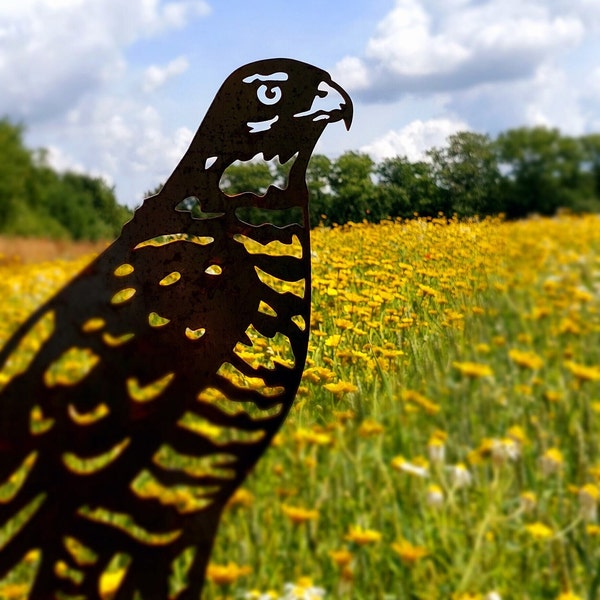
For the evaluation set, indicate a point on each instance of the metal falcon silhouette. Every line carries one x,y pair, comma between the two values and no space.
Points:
149,399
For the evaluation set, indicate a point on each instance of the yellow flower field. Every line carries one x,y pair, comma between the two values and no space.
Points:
445,442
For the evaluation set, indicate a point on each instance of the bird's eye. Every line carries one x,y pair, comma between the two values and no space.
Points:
269,95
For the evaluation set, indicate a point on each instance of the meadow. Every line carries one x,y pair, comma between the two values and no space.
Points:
444,443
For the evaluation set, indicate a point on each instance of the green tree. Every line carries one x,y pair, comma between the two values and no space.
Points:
21,211
91,212
37,201
15,171
467,174
246,177
256,177
590,167
409,187
317,179
542,170
355,196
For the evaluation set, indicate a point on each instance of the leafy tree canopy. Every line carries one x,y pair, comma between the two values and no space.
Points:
522,171
37,201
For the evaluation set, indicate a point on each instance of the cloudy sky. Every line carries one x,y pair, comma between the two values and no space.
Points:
117,88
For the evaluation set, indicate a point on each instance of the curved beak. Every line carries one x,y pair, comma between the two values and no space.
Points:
346,107
331,103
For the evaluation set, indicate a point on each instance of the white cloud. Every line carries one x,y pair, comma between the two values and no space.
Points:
53,52
64,72
129,140
554,102
414,139
591,88
430,45
155,76
61,162
353,72
123,140
406,44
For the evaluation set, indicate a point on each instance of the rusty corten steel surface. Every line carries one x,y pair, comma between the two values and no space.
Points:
159,317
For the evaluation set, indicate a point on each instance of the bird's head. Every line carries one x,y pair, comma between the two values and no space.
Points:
277,107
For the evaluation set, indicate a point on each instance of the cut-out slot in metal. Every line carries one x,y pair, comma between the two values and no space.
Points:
124,270
218,434
280,285
275,216
88,466
150,391
123,295
232,407
88,418
173,238
194,334
39,423
170,279
71,367
155,320
113,340
272,248
214,270
193,206
242,381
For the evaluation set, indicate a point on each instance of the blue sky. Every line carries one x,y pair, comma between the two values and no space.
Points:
117,89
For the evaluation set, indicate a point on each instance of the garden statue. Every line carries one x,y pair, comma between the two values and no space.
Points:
148,401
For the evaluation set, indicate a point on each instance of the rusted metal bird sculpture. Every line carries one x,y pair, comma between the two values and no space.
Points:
149,351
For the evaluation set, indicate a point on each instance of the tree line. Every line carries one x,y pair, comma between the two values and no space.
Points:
523,171
37,201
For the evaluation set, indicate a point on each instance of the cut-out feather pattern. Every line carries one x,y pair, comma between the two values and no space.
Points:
131,454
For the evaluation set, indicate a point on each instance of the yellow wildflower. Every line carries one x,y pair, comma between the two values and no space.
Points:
299,515
551,461
526,359
539,531
413,397
369,428
552,395
517,433
343,415
333,341
593,529
528,500
473,369
258,595
583,372
241,497
340,388
568,596
409,554
361,536
312,436
341,557
226,574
